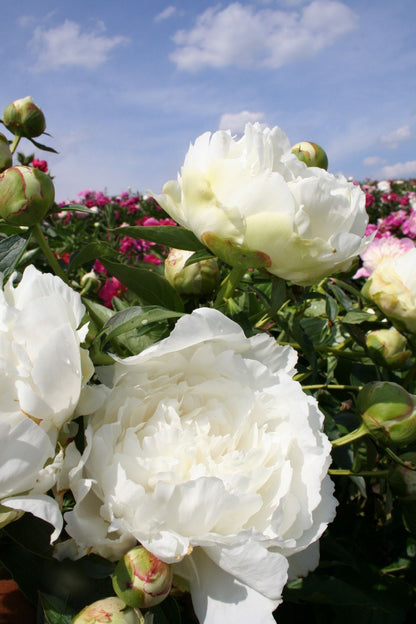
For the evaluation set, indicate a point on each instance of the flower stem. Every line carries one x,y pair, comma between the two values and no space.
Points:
15,143
43,244
332,387
379,474
228,286
350,437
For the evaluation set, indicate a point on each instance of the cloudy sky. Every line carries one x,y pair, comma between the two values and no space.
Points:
126,85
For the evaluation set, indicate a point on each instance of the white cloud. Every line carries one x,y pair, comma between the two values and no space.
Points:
236,121
373,161
399,170
392,139
242,36
166,13
66,45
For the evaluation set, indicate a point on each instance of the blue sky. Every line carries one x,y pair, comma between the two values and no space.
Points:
126,85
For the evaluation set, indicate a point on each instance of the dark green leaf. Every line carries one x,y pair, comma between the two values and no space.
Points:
198,256
136,317
91,252
278,295
153,289
42,147
56,611
11,250
331,307
169,235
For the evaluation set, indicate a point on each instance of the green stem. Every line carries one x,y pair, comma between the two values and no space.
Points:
379,474
228,286
332,387
43,244
350,437
15,143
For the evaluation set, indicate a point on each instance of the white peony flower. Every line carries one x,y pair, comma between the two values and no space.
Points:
252,202
392,286
42,371
207,452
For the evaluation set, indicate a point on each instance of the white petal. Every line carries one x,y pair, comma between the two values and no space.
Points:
219,598
41,506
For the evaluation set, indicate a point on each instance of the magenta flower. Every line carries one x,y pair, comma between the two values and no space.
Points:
42,165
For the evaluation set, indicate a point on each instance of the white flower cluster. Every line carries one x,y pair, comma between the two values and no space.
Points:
42,372
203,449
254,196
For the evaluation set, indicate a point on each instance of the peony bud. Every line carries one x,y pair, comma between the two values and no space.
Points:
141,579
6,159
200,278
23,118
26,195
388,412
388,348
311,154
110,610
402,479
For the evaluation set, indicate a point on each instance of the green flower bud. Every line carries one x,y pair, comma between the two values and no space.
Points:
141,579
110,610
388,348
311,154
26,195
388,412
6,159
402,479
23,118
200,278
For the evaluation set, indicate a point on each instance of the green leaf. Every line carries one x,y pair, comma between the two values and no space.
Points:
41,146
136,317
11,250
355,317
153,289
331,307
91,252
278,295
198,256
169,235
56,611
99,313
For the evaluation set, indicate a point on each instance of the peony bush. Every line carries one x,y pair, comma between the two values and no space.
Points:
208,394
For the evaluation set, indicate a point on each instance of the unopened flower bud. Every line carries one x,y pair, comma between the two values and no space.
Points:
6,159
388,348
141,579
403,479
200,278
90,282
388,412
26,195
23,118
110,610
311,154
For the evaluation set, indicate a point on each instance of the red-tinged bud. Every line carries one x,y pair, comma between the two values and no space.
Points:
311,154
6,159
26,195
23,118
109,610
141,580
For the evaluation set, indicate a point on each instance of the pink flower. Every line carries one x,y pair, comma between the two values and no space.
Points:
380,248
99,268
409,226
152,259
112,288
42,165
